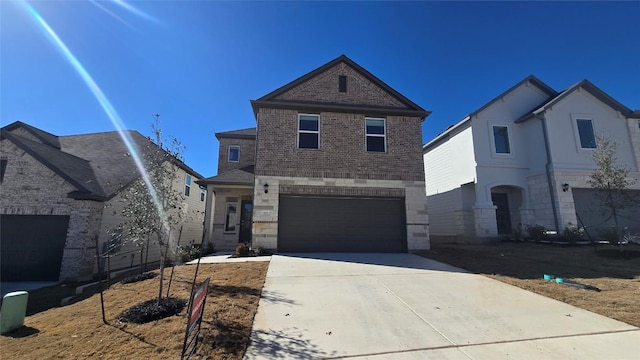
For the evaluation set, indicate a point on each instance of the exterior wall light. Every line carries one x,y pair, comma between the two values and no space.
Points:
266,188
565,187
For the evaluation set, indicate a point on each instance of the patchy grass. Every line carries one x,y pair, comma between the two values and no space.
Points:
76,331
524,264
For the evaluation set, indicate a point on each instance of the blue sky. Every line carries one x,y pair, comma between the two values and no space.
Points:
199,63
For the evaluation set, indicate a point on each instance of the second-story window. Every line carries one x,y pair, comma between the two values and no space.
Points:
187,185
585,131
234,153
501,140
376,135
308,131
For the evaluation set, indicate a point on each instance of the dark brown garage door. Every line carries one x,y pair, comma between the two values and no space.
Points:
331,224
32,246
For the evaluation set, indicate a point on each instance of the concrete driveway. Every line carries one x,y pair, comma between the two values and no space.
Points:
402,306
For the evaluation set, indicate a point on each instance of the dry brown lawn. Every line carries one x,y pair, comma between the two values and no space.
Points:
76,331
524,264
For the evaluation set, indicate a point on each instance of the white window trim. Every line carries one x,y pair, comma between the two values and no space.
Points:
203,191
386,147
187,184
229,153
492,138
226,213
308,132
576,132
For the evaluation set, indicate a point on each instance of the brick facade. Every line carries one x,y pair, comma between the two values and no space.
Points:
324,88
30,188
342,152
247,153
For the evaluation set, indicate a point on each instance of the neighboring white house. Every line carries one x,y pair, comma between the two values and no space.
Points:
524,158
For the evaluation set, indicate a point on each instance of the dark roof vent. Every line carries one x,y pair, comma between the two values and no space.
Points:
342,83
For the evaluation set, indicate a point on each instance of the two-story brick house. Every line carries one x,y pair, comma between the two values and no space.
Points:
61,195
337,167
525,158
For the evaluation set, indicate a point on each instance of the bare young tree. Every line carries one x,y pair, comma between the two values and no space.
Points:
152,214
611,182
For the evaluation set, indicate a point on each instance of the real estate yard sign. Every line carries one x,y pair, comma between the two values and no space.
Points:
194,320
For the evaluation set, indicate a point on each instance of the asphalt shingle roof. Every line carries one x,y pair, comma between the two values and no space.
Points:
98,165
249,133
242,176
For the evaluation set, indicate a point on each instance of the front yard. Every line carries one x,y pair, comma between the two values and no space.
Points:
524,265
76,331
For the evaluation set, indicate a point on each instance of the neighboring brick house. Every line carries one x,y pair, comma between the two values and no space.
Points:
337,167
525,158
60,193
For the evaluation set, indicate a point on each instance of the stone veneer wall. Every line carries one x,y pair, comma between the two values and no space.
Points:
265,211
227,241
30,188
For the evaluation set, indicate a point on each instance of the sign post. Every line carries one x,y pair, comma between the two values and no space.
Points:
194,319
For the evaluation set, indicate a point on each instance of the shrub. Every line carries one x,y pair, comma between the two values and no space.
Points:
242,250
139,277
516,234
153,309
194,251
573,233
609,234
537,232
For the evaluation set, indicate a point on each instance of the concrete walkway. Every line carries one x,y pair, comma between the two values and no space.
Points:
402,306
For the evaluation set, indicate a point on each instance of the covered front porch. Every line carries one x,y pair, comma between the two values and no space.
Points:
229,209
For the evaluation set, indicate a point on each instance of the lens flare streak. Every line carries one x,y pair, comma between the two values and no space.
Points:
104,102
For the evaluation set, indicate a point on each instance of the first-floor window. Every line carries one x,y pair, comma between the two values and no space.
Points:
585,131
308,131
376,135
230,218
501,140
203,193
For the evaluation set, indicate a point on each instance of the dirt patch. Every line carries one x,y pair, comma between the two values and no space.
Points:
76,331
524,265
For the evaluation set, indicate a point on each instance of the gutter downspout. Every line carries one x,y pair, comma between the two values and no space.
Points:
547,166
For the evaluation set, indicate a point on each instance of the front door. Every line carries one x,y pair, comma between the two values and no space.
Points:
245,221
503,216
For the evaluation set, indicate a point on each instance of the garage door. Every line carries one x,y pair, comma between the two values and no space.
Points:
341,224
595,217
32,247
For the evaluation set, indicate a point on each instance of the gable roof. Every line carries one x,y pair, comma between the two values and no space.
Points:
98,165
269,100
529,79
78,172
587,86
43,136
242,176
249,133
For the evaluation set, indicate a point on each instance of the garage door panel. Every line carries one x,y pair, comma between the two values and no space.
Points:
331,224
32,247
